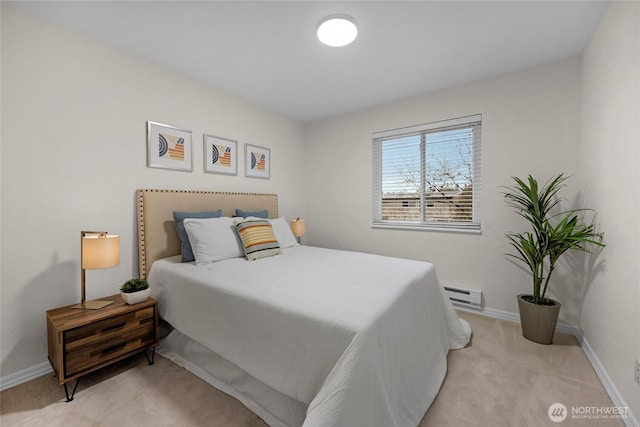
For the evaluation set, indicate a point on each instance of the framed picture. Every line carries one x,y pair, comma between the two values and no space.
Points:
220,155
169,147
257,162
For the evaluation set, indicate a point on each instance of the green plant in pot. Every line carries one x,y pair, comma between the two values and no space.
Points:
134,291
551,235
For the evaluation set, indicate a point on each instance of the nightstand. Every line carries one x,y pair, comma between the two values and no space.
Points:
81,340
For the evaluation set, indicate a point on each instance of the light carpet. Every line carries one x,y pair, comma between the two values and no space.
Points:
500,379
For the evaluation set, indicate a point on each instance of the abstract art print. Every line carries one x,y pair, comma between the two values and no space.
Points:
257,161
168,147
220,155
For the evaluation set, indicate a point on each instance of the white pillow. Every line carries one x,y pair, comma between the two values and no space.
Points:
213,239
283,232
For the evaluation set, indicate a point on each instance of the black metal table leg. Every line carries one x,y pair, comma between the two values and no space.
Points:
66,391
153,355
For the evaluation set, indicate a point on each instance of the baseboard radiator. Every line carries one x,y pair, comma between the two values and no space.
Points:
469,298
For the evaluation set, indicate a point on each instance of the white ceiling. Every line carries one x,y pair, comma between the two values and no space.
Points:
267,52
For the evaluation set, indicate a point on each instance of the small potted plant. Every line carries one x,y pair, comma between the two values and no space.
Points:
550,235
135,291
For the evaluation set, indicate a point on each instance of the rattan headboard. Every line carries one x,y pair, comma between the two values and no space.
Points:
157,235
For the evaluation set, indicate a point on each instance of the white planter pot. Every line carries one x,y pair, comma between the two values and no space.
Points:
135,297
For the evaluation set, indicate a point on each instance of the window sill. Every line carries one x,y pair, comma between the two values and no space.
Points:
415,227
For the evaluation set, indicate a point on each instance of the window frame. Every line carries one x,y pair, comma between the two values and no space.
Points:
378,138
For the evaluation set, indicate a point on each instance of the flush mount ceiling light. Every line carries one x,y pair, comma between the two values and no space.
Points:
337,30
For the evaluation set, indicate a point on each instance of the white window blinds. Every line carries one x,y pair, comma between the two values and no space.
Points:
428,175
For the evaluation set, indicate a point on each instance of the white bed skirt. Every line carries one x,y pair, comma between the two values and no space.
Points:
275,408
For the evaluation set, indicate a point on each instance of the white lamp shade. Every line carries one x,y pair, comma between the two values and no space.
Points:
298,227
100,251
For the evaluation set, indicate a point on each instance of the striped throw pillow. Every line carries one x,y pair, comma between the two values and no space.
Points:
257,237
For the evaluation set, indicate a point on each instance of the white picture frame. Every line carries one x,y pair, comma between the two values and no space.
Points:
220,155
169,147
257,161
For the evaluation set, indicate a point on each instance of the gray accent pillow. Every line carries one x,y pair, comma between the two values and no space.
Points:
259,214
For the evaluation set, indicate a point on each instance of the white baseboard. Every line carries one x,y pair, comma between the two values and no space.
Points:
25,375
611,389
515,317
630,421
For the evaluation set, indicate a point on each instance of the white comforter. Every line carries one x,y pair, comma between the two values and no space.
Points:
361,339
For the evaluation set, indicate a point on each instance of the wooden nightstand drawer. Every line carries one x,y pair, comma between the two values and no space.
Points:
102,330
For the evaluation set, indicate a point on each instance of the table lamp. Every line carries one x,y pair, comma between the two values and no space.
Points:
97,250
298,228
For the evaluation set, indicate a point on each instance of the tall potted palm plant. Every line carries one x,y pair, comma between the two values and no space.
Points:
550,236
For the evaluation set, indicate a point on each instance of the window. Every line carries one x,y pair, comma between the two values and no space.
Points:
428,176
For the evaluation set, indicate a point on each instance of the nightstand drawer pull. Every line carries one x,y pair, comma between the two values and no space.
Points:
113,348
114,327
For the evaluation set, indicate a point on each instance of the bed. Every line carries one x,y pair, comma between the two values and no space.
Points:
311,336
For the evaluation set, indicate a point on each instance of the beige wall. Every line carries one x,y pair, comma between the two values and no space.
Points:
609,171
74,116
531,124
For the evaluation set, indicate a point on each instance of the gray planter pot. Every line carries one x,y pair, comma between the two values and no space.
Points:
538,321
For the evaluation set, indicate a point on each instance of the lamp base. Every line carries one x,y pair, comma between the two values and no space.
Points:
92,305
